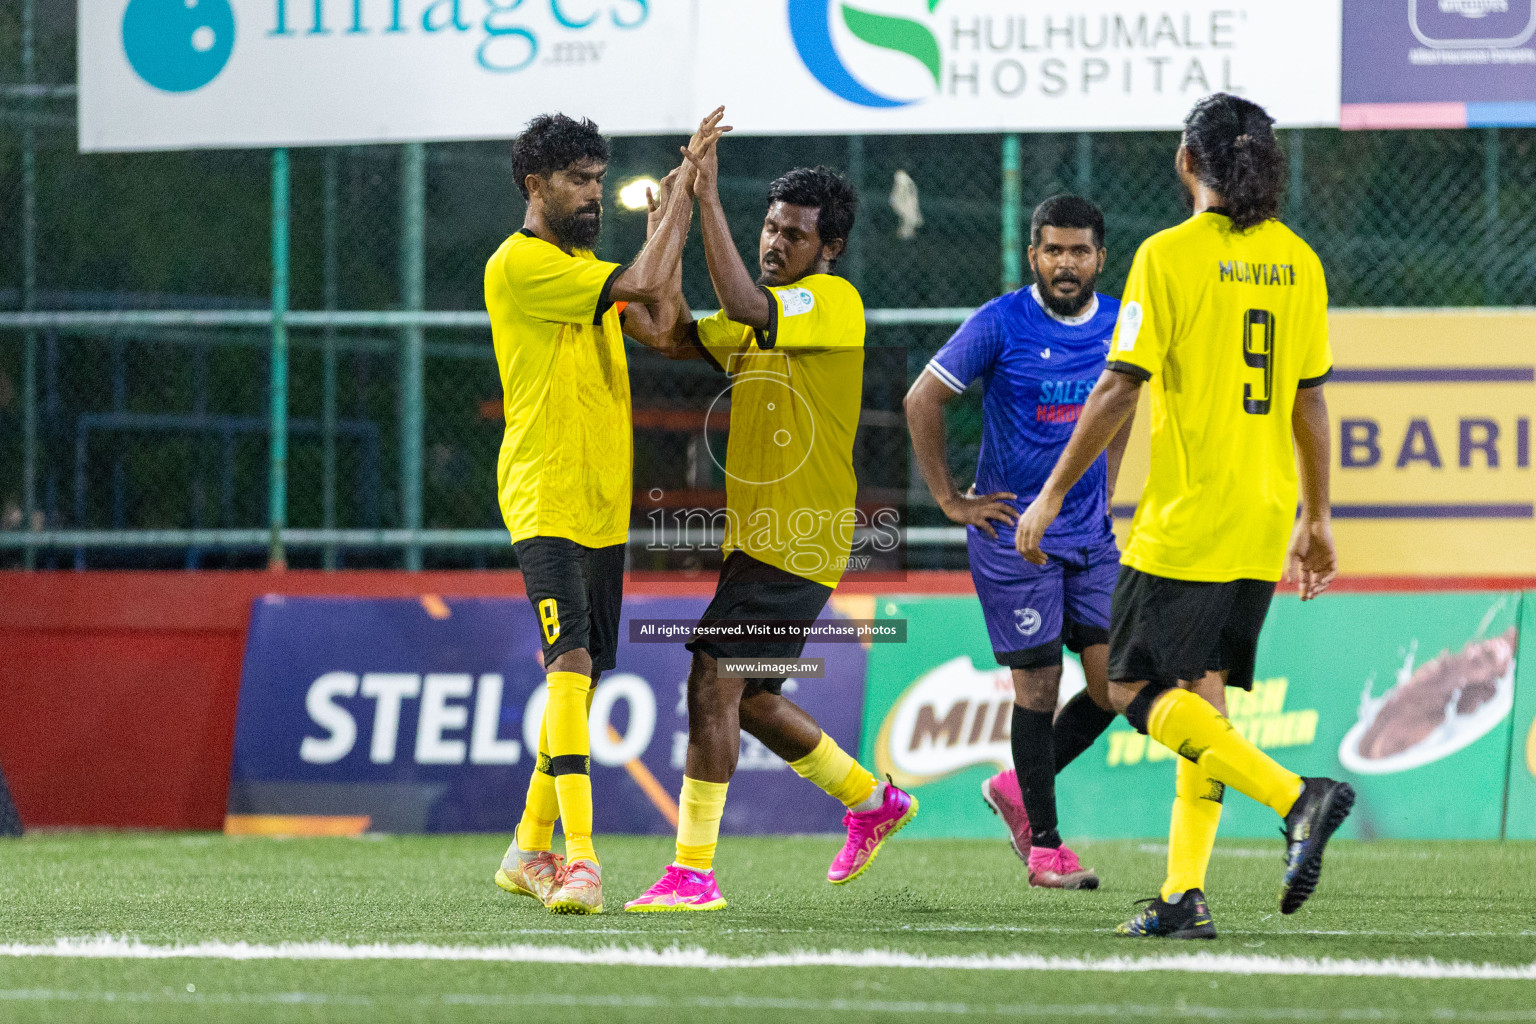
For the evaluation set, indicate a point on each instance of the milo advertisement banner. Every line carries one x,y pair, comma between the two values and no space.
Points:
1520,815
1408,696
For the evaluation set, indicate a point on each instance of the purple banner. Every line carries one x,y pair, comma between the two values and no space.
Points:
1438,63
423,715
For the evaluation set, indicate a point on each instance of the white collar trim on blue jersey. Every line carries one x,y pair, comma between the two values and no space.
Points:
1070,321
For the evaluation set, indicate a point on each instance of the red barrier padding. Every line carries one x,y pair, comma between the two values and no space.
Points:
118,689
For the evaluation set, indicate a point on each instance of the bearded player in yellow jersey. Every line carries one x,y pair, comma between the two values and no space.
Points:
564,473
793,344
1225,318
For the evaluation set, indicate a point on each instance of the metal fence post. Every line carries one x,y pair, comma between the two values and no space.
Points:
277,483
1492,259
855,175
1295,194
329,286
1013,202
28,283
413,195
1084,183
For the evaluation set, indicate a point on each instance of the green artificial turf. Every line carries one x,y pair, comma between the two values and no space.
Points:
1451,902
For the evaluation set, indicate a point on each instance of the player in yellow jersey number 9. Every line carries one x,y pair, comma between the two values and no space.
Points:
1224,317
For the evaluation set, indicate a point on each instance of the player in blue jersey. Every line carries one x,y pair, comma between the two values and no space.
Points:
1038,352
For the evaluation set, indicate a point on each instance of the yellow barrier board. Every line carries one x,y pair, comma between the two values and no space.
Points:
1431,414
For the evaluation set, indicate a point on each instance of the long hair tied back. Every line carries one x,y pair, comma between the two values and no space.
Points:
1236,153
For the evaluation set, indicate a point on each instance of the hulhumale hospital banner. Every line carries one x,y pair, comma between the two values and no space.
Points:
996,65
423,716
171,74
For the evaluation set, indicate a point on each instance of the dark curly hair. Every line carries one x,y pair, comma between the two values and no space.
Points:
824,189
1067,211
1236,153
553,142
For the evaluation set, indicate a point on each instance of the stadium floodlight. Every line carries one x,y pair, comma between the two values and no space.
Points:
632,195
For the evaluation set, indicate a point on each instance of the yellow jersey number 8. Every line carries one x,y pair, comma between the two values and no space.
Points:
549,619
1259,353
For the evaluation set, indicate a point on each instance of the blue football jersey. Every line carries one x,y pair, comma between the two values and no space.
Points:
1036,371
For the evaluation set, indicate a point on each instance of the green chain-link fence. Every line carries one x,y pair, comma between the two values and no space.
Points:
114,431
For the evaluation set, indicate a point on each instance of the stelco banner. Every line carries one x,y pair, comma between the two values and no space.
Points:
1410,697
410,716
171,74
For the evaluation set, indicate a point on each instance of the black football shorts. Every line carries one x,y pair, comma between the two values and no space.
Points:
754,591
576,593
1166,630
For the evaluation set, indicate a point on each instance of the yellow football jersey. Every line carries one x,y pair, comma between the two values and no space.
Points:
1226,326
796,392
567,455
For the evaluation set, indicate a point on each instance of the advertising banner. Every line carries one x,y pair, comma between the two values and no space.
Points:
1011,65
938,713
1433,413
1438,63
423,715
1432,472
1407,696
176,74
1520,815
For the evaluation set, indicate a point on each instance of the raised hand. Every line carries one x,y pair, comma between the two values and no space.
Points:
701,157
656,202
710,125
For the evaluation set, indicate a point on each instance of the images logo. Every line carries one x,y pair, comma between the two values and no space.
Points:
810,23
178,45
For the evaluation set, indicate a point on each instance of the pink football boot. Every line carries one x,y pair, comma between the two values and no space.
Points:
868,831
680,888
1002,794
1059,869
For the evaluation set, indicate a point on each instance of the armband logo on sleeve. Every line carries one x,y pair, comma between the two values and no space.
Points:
1130,326
796,301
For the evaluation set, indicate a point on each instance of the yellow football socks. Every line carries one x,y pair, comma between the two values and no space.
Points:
830,768
699,810
1192,831
536,831
1186,723
570,760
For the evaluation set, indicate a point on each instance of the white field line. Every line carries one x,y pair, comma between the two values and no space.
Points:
1356,852
1004,929
906,1008
106,947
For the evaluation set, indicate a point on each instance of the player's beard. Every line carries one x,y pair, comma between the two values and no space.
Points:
578,231
1068,306
774,276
